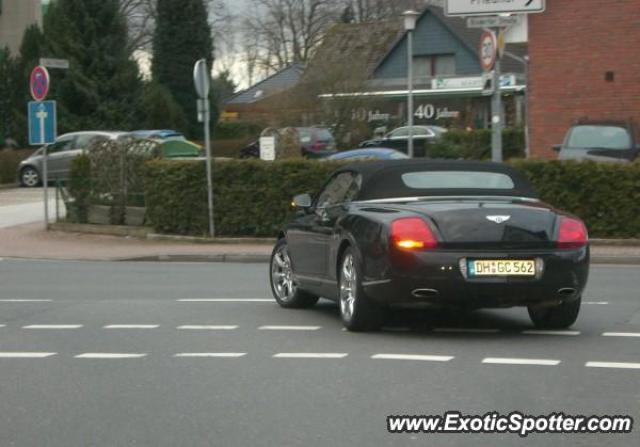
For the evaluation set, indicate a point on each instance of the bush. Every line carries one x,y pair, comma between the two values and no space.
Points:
476,145
251,198
9,161
236,130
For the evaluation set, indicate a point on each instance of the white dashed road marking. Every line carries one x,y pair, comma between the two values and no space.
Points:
26,355
621,334
53,326
423,358
131,326
516,361
109,355
211,354
462,330
17,300
601,303
226,300
289,328
310,355
195,327
618,365
544,332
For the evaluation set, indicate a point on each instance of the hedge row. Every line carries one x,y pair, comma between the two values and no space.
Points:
9,161
476,144
252,197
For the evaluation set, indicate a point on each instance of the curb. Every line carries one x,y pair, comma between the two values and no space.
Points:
215,240
9,186
107,230
253,258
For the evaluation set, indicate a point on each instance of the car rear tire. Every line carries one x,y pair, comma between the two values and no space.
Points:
283,286
358,312
29,177
556,317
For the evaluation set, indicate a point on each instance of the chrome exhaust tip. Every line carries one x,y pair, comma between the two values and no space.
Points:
567,291
425,293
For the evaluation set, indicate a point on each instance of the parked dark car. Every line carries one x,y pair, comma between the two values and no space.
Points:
600,141
59,156
158,134
452,234
372,153
316,142
399,139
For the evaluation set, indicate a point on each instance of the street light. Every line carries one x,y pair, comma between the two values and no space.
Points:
410,18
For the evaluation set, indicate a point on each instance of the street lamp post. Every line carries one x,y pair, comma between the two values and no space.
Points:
410,18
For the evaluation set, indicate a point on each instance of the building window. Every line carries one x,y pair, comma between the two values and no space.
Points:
425,67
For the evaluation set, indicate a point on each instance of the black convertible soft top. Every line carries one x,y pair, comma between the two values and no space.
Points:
383,179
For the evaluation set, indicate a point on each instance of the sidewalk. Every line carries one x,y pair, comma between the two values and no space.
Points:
32,242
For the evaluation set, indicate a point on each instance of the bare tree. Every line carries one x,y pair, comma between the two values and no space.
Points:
140,15
287,31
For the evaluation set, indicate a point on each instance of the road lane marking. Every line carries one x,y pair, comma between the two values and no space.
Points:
3,325
462,330
289,328
547,332
26,355
211,354
195,327
53,326
19,300
601,303
225,300
424,358
621,334
618,365
518,361
310,355
131,326
109,355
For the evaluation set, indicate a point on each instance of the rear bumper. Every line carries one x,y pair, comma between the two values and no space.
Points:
436,279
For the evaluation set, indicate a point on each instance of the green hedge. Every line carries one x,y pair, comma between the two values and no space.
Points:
476,144
9,161
251,197
236,130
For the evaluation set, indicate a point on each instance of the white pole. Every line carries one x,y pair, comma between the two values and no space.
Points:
410,150
207,144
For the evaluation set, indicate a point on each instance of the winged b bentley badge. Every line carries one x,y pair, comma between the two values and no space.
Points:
498,219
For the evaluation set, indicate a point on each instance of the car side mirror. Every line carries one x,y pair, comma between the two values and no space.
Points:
302,201
557,147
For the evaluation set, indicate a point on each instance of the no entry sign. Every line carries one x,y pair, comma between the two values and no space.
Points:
39,83
488,50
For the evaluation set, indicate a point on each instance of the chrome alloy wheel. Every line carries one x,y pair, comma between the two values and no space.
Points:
282,275
348,287
30,177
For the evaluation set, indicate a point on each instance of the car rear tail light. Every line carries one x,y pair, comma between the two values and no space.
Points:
412,233
572,233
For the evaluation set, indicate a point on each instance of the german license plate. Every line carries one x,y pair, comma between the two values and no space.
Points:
488,267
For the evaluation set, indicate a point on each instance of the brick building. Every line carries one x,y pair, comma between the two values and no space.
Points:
584,62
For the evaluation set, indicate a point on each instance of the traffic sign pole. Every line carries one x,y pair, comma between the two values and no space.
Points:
201,76
497,116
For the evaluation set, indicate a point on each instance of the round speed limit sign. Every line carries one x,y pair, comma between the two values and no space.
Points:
488,50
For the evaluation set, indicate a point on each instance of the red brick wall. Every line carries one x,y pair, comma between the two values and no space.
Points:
571,47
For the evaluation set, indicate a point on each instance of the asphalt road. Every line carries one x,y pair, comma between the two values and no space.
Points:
111,354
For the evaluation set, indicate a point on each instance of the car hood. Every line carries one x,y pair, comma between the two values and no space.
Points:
604,155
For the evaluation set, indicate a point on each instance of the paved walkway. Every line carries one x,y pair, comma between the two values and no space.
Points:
31,241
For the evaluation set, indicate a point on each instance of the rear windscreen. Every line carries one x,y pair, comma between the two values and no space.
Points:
457,180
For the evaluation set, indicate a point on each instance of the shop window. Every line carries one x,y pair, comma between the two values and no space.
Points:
432,66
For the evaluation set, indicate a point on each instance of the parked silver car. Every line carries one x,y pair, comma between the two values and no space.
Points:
59,156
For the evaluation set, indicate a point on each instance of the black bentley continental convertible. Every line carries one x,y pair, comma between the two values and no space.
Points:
446,234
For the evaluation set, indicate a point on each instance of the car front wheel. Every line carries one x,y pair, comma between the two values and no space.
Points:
283,285
555,317
357,310
29,177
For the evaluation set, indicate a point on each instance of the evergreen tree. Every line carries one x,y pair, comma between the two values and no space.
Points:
102,88
182,36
